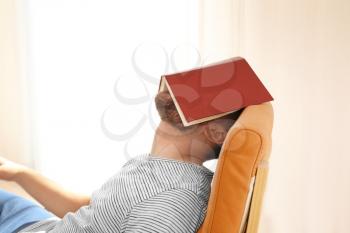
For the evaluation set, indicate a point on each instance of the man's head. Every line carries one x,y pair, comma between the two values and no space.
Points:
209,136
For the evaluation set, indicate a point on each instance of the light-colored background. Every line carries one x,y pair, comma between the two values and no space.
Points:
301,50
57,75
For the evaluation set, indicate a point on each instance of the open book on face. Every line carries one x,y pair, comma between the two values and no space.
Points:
214,90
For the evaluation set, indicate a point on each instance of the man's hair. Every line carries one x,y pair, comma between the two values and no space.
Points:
167,111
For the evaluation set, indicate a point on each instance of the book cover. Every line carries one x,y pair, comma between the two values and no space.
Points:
214,90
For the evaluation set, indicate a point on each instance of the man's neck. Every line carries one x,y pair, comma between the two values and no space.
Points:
179,147
171,151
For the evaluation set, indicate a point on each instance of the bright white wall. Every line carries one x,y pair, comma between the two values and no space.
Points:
301,51
77,50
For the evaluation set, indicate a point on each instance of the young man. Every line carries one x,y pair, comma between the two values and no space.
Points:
166,190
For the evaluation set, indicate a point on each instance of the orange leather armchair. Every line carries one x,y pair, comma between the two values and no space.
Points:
240,176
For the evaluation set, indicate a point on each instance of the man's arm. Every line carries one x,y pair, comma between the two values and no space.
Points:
53,197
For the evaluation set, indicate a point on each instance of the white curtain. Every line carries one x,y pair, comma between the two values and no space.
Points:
13,134
301,51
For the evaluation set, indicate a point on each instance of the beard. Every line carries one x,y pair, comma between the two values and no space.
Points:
216,151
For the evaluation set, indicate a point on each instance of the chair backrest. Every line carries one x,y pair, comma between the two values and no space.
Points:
240,176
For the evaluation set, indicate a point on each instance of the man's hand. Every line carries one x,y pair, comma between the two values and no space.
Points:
52,196
9,170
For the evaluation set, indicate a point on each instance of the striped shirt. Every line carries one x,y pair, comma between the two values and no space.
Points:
149,194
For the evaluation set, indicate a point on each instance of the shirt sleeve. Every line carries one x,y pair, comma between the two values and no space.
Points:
175,210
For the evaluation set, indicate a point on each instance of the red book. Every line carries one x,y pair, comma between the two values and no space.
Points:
214,90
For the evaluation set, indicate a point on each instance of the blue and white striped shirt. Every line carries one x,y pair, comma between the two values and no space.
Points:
149,194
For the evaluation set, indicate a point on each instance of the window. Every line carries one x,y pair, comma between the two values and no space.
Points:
86,60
